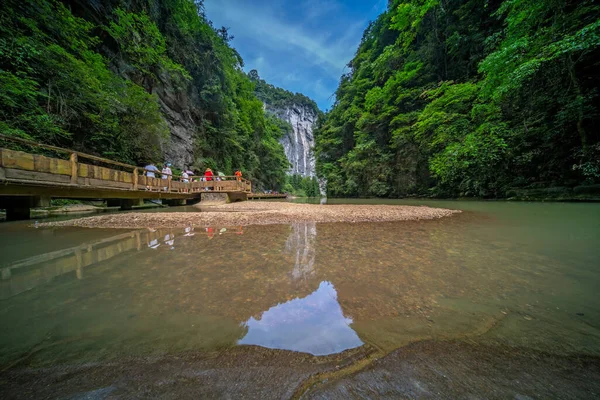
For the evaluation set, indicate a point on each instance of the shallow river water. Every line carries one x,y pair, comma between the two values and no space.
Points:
520,274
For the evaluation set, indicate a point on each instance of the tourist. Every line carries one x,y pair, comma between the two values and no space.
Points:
150,170
166,173
238,175
185,178
208,175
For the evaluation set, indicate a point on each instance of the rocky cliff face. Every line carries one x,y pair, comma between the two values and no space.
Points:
299,142
176,109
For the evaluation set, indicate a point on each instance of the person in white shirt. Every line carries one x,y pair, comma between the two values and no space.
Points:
166,174
166,171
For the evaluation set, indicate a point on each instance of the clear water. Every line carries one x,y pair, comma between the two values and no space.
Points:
519,274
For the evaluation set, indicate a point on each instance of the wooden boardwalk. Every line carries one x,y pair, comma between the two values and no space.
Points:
30,180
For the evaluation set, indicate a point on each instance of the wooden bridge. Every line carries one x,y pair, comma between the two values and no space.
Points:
31,180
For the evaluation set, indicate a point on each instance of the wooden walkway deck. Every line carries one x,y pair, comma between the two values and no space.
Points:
29,180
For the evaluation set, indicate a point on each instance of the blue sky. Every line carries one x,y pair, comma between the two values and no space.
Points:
299,45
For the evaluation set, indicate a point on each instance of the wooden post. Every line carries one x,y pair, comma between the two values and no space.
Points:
79,270
74,169
135,179
169,179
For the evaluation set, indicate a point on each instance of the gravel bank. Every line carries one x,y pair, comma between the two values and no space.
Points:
260,213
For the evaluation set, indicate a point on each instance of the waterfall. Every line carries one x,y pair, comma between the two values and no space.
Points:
299,142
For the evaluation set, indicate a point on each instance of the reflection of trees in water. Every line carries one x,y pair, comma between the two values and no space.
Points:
301,243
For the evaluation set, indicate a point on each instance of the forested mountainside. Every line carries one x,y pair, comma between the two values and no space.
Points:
468,98
134,81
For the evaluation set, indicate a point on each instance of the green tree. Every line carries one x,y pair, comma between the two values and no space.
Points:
99,83
466,97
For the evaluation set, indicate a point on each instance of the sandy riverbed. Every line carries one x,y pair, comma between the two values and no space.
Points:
260,213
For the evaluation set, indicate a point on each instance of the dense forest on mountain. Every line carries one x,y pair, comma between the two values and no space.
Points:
277,97
467,98
106,77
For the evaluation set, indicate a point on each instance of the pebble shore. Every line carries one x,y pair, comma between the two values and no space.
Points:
260,213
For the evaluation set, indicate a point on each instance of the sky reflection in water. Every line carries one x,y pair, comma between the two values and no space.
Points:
314,324
90,295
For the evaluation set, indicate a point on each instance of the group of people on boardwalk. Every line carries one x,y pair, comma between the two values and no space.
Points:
187,175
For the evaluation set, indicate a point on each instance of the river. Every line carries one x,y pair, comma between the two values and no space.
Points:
518,275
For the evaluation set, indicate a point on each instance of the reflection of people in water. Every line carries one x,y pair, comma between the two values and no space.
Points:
170,240
240,231
189,231
210,232
152,243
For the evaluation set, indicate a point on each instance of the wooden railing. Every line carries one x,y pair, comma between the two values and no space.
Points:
22,167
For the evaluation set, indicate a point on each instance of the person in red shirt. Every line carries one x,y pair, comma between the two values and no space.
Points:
238,175
208,175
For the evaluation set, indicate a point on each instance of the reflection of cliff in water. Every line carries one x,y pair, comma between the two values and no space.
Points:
313,324
301,244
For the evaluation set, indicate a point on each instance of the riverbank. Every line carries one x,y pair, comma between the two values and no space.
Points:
426,369
260,213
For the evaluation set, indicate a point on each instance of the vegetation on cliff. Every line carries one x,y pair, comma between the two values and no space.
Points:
467,97
96,77
279,98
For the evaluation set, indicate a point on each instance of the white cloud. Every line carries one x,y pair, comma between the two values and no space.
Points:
318,8
276,34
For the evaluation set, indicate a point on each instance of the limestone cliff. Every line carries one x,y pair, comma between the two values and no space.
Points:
299,141
301,113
